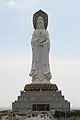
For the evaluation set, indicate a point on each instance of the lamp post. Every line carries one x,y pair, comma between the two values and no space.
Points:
65,114
64,110
60,111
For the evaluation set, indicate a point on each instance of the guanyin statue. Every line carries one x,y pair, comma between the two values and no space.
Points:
40,42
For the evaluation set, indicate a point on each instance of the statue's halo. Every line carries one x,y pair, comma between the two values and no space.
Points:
44,15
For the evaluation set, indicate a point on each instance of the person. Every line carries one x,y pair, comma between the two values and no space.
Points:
40,42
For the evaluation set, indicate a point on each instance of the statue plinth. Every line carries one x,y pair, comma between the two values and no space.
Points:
39,98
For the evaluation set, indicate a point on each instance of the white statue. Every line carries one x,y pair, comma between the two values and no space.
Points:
40,42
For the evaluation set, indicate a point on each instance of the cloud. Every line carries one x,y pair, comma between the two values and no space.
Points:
14,71
20,4
7,2
11,2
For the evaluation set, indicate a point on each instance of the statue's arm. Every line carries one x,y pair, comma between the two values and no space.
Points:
33,36
47,35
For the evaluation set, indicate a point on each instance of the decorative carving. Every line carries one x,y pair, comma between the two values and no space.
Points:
38,87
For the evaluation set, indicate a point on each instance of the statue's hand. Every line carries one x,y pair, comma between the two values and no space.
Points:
40,44
42,40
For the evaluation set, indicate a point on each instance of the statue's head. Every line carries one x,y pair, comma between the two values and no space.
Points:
40,23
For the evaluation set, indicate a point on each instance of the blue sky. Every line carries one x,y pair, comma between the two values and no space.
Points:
15,50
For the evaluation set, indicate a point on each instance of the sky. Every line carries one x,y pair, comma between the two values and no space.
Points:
15,47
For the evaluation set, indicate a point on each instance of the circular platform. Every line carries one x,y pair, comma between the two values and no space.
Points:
38,87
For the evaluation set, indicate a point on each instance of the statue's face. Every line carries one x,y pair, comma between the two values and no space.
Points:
40,23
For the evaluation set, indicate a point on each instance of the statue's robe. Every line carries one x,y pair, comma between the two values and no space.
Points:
40,55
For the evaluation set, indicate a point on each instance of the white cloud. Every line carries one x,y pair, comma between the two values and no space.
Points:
7,2
11,2
14,75
20,4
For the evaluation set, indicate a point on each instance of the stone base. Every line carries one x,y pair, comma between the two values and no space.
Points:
40,97
43,81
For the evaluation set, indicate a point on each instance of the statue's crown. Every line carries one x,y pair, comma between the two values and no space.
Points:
36,15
